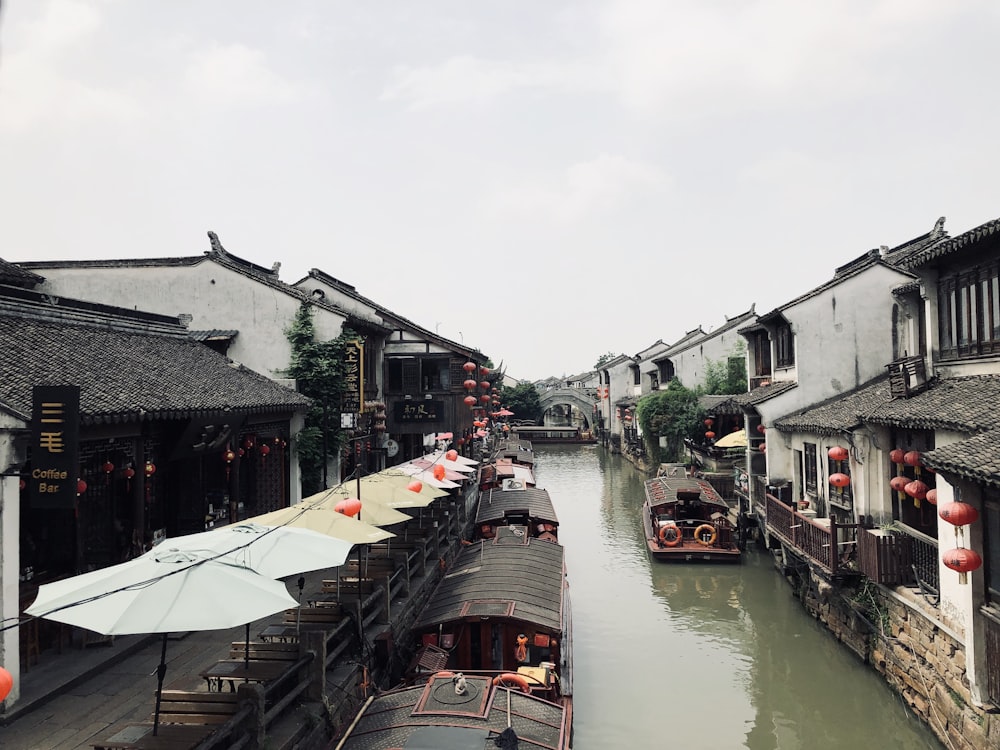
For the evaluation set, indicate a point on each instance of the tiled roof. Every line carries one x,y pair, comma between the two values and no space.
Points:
976,459
14,274
126,374
762,393
948,246
213,335
966,404
842,412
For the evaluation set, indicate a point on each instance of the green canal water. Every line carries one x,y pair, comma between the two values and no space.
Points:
699,657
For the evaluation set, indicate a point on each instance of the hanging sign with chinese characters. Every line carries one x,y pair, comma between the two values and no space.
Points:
55,423
419,411
354,377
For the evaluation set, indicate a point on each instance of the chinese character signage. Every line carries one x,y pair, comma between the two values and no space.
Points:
354,377
55,422
419,411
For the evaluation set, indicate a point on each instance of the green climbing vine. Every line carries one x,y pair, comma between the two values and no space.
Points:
318,368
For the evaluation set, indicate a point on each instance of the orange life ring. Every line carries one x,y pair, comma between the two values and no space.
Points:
507,678
712,535
675,539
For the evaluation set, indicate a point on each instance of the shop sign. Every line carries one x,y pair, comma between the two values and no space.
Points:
419,411
55,425
354,377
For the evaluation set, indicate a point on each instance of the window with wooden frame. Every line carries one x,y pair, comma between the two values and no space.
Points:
969,311
840,496
761,344
991,548
809,466
784,345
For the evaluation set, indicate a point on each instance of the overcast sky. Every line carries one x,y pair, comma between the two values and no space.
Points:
544,180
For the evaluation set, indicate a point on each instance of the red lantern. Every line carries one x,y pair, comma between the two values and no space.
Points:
962,560
228,456
22,485
438,472
485,385
469,367
958,513
899,483
81,486
349,506
484,398
484,370
264,450
470,384
150,468
761,429
108,467
460,441
840,480
710,435
451,455
470,400
896,455
709,422
129,473
916,489
837,453
932,496
6,683
248,442
763,448
912,458
415,486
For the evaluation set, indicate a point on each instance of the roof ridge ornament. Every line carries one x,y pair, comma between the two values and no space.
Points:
217,247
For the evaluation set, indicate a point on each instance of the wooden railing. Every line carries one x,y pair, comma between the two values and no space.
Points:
825,542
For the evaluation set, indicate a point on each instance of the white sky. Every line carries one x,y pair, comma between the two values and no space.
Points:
545,180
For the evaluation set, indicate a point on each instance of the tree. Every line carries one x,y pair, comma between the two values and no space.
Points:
604,359
523,400
672,413
727,376
318,368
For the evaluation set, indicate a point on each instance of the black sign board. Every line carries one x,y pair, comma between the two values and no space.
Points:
419,411
55,423
354,377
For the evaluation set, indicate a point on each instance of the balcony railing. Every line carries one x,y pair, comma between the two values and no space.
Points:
822,540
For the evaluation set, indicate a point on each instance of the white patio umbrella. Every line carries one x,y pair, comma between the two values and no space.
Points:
162,593
426,476
396,477
272,551
325,520
460,463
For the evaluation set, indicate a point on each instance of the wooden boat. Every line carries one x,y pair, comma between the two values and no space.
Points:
544,434
453,712
516,505
505,472
686,520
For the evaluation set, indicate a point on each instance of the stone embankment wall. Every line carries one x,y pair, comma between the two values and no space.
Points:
918,658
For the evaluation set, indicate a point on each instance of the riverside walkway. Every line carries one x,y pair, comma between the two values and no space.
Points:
75,700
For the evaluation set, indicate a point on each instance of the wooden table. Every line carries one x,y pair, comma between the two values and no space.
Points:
239,670
139,736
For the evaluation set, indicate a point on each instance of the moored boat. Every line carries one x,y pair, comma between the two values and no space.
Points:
686,520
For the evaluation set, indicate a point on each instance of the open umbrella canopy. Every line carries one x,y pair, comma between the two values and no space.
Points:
162,593
450,475
505,412
399,478
372,512
735,439
388,494
426,476
272,551
432,459
459,459
325,520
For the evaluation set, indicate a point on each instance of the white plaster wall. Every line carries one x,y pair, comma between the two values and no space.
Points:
689,364
215,298
843,335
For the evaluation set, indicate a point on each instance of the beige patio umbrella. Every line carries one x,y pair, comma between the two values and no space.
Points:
735,439
388,494
325,520
401,479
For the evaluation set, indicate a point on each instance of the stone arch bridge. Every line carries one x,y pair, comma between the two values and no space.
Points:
581,398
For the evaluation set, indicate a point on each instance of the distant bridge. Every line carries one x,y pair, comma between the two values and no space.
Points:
582,398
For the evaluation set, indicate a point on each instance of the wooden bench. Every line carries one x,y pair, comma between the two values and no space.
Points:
264,651
312,617
196,707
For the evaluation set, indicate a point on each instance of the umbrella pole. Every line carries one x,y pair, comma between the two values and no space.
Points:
161,672
246,648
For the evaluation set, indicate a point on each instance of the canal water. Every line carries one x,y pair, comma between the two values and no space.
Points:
699,657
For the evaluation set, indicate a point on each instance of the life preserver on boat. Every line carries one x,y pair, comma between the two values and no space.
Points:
511,679
712,535
670,535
